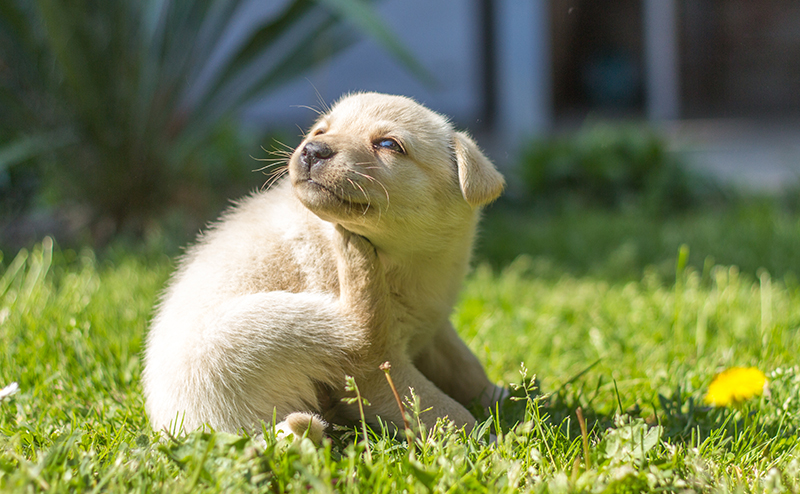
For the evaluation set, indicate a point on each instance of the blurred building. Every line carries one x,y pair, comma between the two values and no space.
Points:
734,58
512,68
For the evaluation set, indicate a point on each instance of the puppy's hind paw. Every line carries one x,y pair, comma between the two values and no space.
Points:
301,424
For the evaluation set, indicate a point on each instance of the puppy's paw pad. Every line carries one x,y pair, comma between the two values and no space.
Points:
299,424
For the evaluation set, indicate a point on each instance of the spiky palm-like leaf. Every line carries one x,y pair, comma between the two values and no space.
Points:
123,95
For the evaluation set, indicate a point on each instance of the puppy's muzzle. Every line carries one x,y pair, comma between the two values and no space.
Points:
315,154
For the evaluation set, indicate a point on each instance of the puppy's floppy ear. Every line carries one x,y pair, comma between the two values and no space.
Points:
480,182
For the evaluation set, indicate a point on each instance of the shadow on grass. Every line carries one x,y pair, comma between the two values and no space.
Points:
760,428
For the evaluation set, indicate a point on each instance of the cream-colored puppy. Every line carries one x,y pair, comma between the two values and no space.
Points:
355,260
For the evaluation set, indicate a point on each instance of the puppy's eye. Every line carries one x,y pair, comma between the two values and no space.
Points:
390,145
318,132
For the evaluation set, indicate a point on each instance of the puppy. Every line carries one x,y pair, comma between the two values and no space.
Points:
355,260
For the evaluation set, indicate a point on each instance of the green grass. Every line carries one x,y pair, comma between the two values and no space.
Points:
750,233
631,335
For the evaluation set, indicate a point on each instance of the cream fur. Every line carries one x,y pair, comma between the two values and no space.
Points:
355,260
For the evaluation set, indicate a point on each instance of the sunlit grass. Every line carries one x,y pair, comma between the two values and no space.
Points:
636,355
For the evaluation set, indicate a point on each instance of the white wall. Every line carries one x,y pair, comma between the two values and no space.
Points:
442,34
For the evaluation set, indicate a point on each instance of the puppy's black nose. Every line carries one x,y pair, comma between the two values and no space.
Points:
315,152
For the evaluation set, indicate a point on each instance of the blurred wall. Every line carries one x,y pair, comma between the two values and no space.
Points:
510,64
444,35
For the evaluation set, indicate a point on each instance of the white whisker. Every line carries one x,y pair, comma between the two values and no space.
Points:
315,110
321,100
282,144
274,176
366,196
375,180
270,160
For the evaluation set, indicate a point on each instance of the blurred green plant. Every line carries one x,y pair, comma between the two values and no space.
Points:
117,103
612,167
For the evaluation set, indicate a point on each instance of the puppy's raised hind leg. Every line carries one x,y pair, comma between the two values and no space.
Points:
248,358
363,292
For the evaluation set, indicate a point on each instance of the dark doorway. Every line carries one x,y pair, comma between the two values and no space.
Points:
597,58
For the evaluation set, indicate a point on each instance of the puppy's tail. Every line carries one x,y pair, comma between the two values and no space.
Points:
300,424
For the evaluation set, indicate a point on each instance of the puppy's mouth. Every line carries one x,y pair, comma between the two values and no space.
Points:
313,183
317,195
327,183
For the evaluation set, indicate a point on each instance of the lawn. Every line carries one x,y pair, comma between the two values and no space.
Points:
606,313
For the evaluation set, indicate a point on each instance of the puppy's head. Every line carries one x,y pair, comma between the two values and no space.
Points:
378,162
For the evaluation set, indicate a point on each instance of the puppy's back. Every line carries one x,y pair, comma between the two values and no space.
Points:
268,242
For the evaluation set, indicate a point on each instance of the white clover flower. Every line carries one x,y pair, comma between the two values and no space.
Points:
9,390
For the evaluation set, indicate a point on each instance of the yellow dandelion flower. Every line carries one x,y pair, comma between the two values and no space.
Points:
735,385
